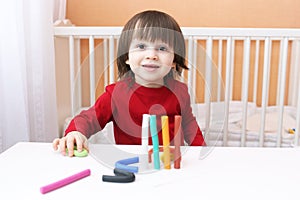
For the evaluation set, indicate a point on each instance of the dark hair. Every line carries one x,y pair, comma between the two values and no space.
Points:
151,25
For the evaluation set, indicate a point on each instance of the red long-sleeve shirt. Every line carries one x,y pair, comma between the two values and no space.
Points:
125,106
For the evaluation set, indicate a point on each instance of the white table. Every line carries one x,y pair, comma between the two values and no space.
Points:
224,173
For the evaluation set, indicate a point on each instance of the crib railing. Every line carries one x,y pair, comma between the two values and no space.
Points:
226,63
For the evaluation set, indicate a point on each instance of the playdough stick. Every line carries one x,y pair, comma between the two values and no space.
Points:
166,141
145,135
65,181
121,176
177,141
123,164
153,130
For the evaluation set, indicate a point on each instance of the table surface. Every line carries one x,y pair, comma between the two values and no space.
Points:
205,173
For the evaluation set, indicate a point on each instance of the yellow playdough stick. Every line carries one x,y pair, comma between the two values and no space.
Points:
166,141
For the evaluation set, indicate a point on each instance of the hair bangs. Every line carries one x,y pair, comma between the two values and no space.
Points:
153,34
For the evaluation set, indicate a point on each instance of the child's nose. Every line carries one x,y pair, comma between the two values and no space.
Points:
152,54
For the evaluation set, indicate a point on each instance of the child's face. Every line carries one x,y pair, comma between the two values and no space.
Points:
150,62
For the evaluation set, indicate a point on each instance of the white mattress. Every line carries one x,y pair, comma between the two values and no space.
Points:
214,134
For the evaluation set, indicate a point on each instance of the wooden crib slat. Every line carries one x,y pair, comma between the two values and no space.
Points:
194,69
294,73
92,70
265,89
279,69
105,62
220,54
208,80
282,81
232,66
245,91
77,90
111,59
256,62
72,73
228,83
190,66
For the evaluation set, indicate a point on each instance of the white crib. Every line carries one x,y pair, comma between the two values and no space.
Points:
234,72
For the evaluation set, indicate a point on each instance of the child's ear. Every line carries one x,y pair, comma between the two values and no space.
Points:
127,62
174,66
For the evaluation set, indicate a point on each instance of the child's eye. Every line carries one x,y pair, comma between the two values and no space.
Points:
141,46
163,48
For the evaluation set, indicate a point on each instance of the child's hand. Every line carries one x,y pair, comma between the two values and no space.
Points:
69,141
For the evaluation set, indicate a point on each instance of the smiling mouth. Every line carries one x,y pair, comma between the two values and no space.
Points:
150,66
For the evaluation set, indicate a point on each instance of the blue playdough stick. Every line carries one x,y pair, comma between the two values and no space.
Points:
123,164
154,135
127,168
129,161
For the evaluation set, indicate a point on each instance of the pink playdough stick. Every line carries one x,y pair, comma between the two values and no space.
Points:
65,181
